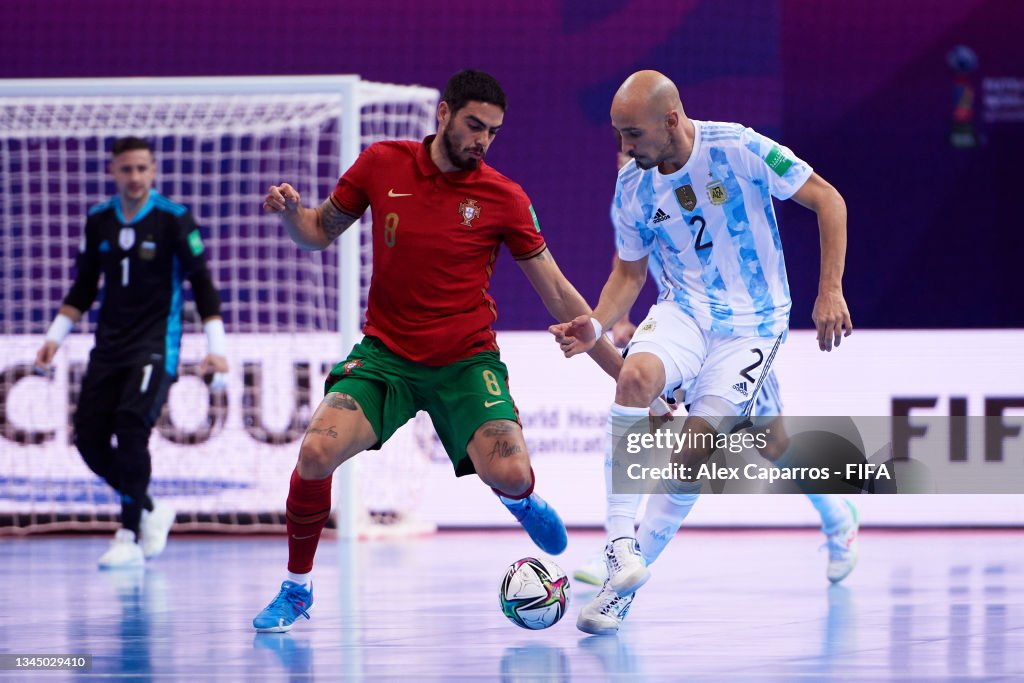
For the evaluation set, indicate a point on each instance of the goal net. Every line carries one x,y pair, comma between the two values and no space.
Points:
222,459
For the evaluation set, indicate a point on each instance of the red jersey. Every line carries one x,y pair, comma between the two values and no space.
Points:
435,239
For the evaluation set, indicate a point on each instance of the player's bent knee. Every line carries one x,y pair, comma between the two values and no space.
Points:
314,465
637,385
318,458
511,477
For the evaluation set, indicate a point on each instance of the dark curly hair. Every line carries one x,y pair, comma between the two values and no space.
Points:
471,85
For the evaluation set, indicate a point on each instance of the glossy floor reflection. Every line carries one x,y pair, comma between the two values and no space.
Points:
739,605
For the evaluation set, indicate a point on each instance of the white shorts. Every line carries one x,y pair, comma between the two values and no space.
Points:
769,398
699,363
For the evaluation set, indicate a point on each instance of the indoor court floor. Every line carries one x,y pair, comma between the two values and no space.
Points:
721,605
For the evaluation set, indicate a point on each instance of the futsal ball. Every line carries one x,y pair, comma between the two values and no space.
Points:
534,593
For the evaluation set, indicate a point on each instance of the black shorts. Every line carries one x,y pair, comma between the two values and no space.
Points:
122,394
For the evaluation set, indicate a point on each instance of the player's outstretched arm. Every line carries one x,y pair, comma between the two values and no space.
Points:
617,298
831,315
565,304
311,229
622,329
65,319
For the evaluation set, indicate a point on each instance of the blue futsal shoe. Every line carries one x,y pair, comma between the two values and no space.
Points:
541,522
279,616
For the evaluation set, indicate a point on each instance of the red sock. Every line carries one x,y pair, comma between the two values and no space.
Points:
307,510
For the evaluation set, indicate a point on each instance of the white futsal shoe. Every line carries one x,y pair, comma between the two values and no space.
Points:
155,526
123,552
626,568
603,615
843,548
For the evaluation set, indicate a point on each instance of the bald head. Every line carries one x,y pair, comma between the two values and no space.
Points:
648,117
647,92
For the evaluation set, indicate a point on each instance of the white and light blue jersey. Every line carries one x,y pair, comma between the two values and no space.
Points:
709,229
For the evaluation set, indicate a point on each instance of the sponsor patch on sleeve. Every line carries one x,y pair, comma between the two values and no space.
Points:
777,161
533,215
195,242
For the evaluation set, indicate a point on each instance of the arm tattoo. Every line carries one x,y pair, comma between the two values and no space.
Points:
340,401
333,220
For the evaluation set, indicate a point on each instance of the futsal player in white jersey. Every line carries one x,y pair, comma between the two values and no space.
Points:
699,195
838,516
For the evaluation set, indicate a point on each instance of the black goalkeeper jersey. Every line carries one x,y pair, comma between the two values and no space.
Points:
144,264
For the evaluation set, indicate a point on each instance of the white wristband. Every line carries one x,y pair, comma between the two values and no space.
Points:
59,328
598,330
216,340
660,407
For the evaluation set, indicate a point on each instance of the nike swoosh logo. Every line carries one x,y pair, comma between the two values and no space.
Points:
491,404
392,193
302,538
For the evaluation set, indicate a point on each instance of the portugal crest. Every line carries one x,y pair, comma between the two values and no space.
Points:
351,366
469,211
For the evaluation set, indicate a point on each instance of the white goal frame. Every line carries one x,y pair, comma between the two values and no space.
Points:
353,92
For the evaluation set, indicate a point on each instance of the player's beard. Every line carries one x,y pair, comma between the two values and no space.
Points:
459,161
668,151
643,166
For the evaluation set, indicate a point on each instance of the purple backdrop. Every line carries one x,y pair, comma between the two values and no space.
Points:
861,90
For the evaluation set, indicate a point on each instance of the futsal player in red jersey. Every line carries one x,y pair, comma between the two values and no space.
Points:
440,215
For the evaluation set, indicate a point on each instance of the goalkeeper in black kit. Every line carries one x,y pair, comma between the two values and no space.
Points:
144,246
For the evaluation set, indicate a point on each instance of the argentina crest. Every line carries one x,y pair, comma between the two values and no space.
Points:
717,192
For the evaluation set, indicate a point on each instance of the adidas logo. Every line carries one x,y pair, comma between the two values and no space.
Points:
741,387
660,216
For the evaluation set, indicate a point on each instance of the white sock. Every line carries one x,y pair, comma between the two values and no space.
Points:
304,579
834,512
665,513
622,507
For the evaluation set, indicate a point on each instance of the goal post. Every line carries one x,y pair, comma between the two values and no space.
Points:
219,142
